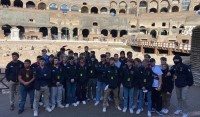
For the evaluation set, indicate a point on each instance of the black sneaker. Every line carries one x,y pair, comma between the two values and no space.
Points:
12,107
20,111
160,113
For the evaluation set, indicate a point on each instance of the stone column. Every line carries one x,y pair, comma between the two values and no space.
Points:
14,33
118,36
59,34
71,34
49,34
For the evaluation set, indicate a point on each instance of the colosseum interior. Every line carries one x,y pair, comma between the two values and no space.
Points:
105,20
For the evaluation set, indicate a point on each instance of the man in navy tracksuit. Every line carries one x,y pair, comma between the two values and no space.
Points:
183,80
82,81
11,73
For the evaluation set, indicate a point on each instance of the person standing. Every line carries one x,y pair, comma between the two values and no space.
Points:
42,82
112,80
26,79
11,73
183,81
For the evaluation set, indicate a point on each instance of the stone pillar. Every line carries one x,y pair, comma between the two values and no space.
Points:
24,5
70,34
49,34
11,3
59,34
118,35
14,34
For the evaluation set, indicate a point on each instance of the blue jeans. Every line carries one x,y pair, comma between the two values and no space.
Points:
71,93
141,99
128,95
56,95
23,93
100,86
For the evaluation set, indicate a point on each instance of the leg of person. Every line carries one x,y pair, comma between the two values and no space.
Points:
79,86
149,100
12,94
98,93
184,97
84,92
179,100
141,100
59,97
105,100
154,98
73,93
68,94
94,84
36,102
135,100
166,102
89,94
23,93
116,98
131,100
159,102
31,96
53,97
125,92
46,98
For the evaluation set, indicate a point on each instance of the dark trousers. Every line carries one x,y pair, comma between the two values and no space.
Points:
81,91
156,99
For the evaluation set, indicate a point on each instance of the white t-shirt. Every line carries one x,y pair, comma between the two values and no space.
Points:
156,70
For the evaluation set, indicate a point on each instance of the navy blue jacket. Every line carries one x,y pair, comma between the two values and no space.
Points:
56,76
102,69
167,82
82,74
112,78
92,69
70,72
128,76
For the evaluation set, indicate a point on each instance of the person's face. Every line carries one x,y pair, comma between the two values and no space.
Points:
42,62
64,60
27,64
14,58
55,61
129,63
71,60
130,55
116,57
50,58
153,63
86,49
82,62
103,59
122,55
44,52
163,62
38,59
145,64
107,59
112,62
164,67
136,63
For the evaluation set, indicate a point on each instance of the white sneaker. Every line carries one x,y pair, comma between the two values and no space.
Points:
185,115
67,106
96,103
40,103
60,106
166,111
35,113
177,112
52,107
119,108
124,110
131,110
84,102
149,113
138,111
75,104
48,109
104,109
107,104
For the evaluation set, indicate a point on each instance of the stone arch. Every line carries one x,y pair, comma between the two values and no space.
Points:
84,9
54,32
123,32
122,4
64,8
30,4
53,6
113,4
75,8
94,10
153,33
75,32
42,6
153,10
133,4
133,26
18,3
64,33
112,12
164,10
103,10
181,29
153,5
143,4
163,32
164,3
197,7
44,31
85,32
143,30
143,7
122,11
21,30
5,2
6,29
104,32
175,9
113,33
133,7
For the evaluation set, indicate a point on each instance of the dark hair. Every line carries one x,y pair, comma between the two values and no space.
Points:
42,59
44,50
112,58
122,52
51,56
70,52
116,54
28,61
56,58
38,57
62,49
138,60
86,47
15,54
129,52
163,59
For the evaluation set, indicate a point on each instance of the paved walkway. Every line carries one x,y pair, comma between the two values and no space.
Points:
90,111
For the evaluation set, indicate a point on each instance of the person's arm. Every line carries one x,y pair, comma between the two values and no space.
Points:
20,80
7,72
190,79
160,82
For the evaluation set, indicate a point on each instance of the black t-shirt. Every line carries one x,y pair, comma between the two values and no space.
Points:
26,75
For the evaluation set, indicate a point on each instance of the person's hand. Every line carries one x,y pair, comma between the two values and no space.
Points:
57,83
159,89
169,74
26,83
72,80
168,93
143,88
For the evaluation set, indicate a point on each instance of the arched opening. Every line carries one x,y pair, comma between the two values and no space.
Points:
122,11
112,12
143,4
18,3
75,32
85,32
64,8
42,6
75,8
64,33
164,10
143,30
113,4
54,32
104,32
44,31
94,10
197,7
123,32
103,10
95,24
181,29
6,29
5,2
30,4
163,32
84,9
153,10
113,33
133,26
122,4
174,27
153,34
143,7
53,6
21,31
175,9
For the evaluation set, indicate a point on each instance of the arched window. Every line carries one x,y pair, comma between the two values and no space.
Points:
175,9
94,10
75,8
64,8
84,9
30,4
42,6
53,6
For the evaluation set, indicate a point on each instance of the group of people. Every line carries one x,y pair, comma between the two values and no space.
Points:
70,78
